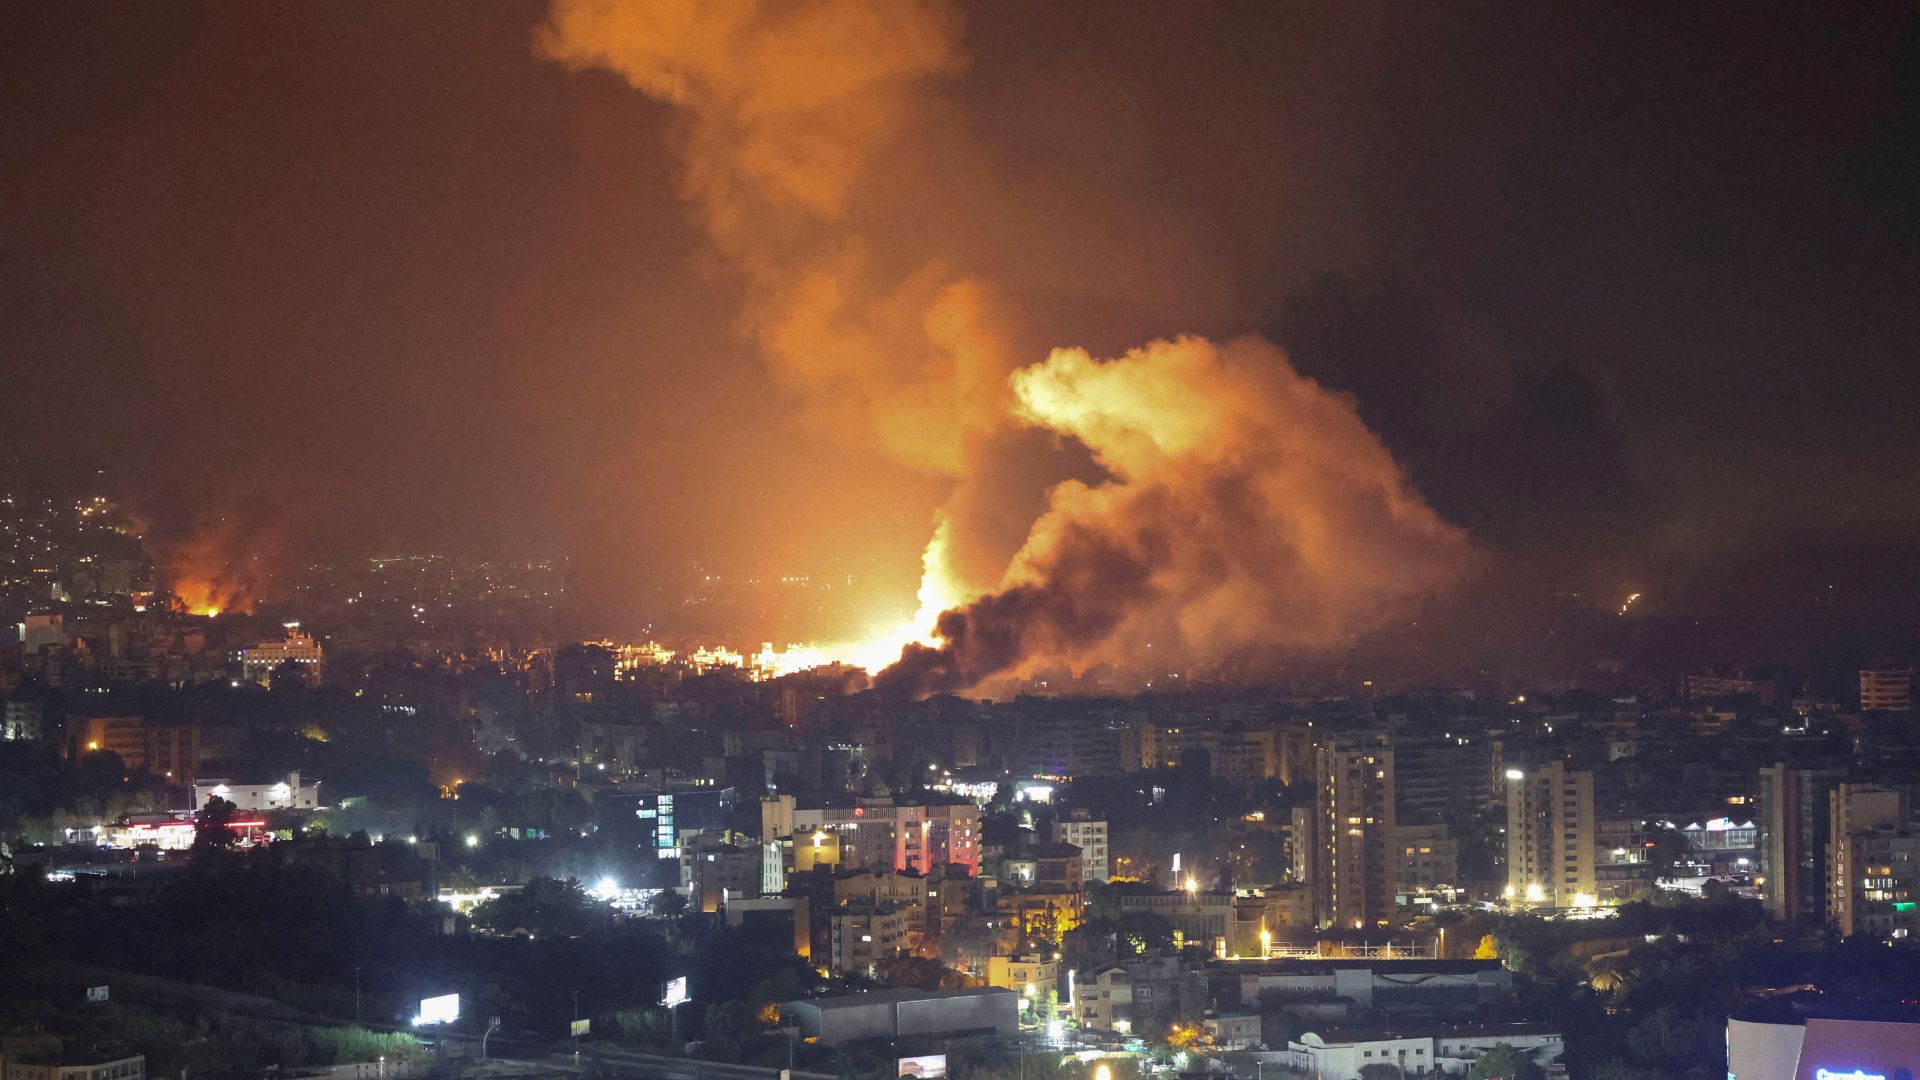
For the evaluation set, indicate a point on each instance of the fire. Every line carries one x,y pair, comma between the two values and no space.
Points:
220,569
940,591
1243,506
198,598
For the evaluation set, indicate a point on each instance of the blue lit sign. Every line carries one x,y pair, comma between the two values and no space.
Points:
1857,1074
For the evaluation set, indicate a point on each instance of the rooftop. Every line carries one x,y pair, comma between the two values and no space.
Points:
896,997
1349,1036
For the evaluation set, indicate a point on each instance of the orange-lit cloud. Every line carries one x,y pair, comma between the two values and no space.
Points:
1247,506
223,566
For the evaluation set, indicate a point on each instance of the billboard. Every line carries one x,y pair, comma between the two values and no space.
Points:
581,1027
926,1067
444,1009
676,992
96,993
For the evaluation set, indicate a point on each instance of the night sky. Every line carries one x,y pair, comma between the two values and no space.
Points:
1633,293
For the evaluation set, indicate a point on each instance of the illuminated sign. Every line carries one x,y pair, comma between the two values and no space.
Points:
928,1067
676,992
444,1009
1857,1074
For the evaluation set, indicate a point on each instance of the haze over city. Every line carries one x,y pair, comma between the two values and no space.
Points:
1368,470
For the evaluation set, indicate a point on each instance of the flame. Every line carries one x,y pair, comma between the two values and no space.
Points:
940,591
220,568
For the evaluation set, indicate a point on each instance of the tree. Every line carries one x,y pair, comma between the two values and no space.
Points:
920,973
667,904
213,826
969,939
545,907
1612,975
1503,1062
1668,851
727,1029
1669,1039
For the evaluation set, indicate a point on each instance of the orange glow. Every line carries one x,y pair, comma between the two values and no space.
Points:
221,568
939,591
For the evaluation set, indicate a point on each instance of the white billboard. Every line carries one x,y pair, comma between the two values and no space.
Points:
926,1067
444,1009
676,992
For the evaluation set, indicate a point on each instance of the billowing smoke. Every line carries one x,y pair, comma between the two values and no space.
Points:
1242,504
1247,506
781,108
223,564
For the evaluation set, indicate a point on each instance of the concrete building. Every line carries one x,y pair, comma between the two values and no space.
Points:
122,735
1354,879
878,832
1430,989
1887,689
1029,976
1859,812
20,719
893,1014
1264,916
714,874
794,912
1199,916
1090,836
1884,894
1551,837
42,632
1342,1054
1103,1000
1232,1031
862,935
1795,819
291,793
672,813
1426,858
1621,869
259,661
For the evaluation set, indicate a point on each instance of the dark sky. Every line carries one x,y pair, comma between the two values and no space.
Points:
1628,289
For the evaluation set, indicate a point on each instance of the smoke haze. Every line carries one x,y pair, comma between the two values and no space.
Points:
1245,506
650,287
1236,510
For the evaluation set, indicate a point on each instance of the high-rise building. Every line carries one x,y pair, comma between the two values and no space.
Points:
1794,823
1858,815
1886,689
1090,836
1355,874
1551,836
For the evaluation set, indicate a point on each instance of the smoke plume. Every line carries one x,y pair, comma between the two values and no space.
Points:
1242,503
223,565
1247,506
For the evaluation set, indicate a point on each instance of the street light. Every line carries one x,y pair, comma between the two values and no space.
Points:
491,1025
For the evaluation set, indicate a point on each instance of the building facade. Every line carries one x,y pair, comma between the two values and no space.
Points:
1090,836
1886,689
1551,837
1355,879
1857,815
